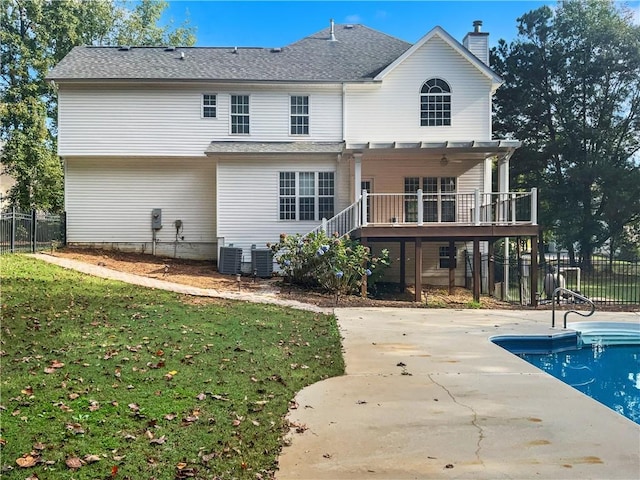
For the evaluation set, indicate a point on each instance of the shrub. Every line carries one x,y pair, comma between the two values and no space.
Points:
335,264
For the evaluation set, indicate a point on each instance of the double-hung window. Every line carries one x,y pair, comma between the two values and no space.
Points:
209,104
435,103
438,199
240,114
299,119
307,195
444,258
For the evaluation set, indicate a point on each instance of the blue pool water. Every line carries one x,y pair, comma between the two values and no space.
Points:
608,373
600,359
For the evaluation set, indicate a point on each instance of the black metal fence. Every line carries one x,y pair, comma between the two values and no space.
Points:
604,282
30,231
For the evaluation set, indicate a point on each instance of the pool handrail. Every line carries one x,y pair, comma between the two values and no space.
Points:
555,295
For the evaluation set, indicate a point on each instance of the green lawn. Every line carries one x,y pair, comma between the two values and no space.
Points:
103,380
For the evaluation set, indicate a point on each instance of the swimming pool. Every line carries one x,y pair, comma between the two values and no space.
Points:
600,359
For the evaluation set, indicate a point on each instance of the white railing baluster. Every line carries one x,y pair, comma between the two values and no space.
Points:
363,211
420,207
476,210
534,206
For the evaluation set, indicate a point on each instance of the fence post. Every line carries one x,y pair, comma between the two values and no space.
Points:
324,225
33,231
63,228
12,240
420,208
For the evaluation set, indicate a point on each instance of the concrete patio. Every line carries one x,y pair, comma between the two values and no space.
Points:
427,395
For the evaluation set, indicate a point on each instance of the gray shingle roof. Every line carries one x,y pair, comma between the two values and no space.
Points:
358,54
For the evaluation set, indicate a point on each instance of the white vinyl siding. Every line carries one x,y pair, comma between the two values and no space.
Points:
167,120
390,111
252,217
110,200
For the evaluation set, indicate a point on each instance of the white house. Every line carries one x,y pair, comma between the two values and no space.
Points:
388,141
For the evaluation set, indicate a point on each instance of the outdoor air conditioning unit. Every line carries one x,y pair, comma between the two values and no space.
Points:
230,261
261,262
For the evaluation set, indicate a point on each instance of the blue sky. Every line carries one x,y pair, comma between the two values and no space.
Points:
278,23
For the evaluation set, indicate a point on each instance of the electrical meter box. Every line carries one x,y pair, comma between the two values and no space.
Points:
156,219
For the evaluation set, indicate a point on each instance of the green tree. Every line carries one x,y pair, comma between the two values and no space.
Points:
34,36
572,95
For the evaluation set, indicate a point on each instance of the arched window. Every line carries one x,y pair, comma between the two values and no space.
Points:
435,103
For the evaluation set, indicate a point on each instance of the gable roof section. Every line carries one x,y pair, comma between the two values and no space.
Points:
359,54
454,44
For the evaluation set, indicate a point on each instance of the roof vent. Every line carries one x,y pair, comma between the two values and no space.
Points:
170,49
276,50
477,26
332,33
181,55
124,48
348,27
235,50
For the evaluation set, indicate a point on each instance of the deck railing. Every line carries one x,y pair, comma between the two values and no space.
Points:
418,209
344,222
458,208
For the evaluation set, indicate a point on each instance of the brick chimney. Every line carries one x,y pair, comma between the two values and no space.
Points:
477,42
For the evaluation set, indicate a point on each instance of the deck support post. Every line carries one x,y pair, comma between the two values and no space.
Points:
534,271
418,270
452,266
403,266
476,270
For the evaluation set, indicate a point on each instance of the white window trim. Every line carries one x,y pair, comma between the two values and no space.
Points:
442,257
316,196
202,106
298,135
231,114
420,102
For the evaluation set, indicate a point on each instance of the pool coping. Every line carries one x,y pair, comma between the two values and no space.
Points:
427,394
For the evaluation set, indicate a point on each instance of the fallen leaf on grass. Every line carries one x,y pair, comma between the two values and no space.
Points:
39,446
27,461
73,396
73,463
56,364
158,441
206,458
219,397
201,396
134,407
75,428
28,390
91,458
170,416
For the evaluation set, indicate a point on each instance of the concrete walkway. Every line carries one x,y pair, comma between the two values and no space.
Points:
427,395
